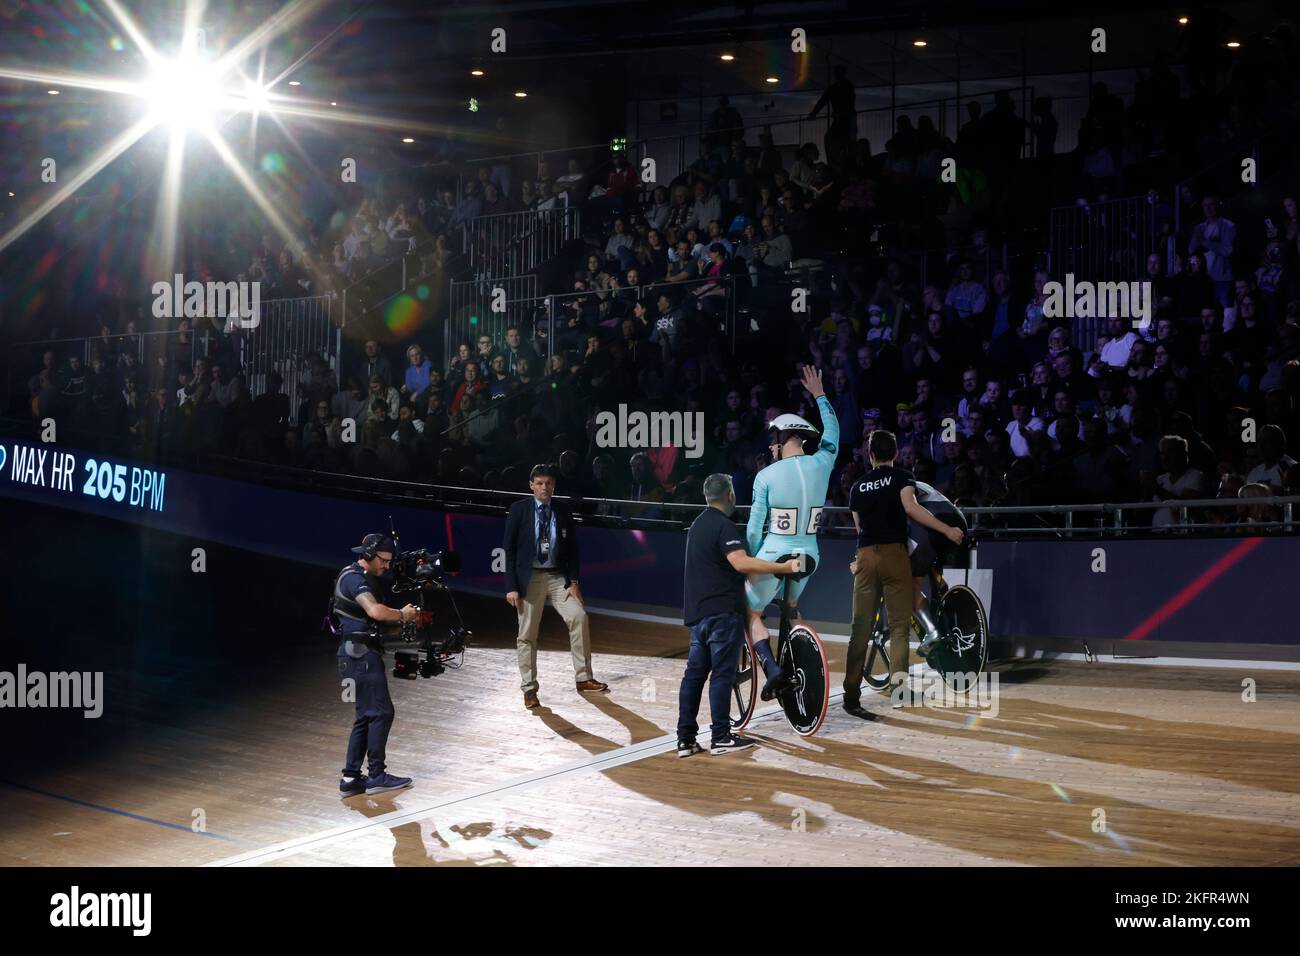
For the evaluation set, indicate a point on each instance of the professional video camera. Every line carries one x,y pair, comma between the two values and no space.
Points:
417,567
416,574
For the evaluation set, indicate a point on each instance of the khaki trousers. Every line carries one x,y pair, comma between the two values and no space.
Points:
881,568
544,585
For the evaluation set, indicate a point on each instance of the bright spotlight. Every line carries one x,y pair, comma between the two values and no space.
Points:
183,93
257,98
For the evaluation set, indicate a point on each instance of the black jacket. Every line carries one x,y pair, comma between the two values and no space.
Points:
521,544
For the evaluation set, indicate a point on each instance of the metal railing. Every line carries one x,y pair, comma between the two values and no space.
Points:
515,243
291,331
1102,242
377,286
986,523
540,317
472,311
1275,513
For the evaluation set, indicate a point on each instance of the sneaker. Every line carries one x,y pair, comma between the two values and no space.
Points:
351,786
727,744
385,782
687,748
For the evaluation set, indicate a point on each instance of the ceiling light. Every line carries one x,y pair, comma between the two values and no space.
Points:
1182,21
1233,44
183,93
773,79
295,83
407,139
919,43
728,57
475,72
52,92
520,93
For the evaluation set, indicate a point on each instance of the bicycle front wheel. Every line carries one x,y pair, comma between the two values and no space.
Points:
806,699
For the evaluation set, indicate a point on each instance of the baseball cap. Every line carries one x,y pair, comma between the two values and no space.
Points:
375,543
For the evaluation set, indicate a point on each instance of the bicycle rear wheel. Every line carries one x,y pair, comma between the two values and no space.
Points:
744,693
806,699
961,655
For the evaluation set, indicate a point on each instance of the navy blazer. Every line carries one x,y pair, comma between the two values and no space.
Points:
521,543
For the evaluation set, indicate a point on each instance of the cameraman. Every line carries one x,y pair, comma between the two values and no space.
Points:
361,660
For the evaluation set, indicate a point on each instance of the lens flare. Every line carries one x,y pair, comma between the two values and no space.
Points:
403,315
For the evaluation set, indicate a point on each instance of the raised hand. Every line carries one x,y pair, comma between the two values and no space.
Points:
812,380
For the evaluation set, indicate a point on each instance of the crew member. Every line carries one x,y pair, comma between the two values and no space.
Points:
714,598
541,546
359,614
882,501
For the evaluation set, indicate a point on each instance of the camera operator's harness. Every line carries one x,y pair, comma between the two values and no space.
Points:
342,606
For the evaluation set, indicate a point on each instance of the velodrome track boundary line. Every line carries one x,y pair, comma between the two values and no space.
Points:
596,763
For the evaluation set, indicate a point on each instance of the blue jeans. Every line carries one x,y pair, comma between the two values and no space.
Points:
374,717
716,641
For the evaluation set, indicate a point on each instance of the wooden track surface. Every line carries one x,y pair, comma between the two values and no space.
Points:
1098,764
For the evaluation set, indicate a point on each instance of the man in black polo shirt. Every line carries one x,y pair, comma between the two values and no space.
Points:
714,598
882,501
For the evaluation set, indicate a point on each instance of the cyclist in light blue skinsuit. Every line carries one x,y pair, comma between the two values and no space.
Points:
789,495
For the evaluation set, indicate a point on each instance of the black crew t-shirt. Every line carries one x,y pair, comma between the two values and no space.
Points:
877,501
712,585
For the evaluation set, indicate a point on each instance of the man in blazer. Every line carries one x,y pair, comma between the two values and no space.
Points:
541,546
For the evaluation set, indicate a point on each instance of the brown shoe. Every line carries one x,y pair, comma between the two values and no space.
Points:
585,686
530,700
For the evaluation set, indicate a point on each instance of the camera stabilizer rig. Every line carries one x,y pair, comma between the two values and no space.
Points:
417,574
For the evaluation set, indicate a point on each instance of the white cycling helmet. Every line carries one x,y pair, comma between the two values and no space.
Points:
791,424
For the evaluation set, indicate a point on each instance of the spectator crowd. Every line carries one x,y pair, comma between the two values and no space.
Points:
682,299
